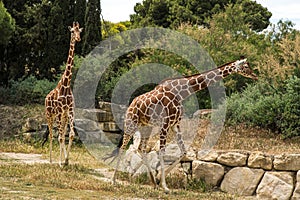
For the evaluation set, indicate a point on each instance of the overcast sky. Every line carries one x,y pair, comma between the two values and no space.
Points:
119,10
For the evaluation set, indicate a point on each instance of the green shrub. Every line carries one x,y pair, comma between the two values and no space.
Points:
29,90
261,105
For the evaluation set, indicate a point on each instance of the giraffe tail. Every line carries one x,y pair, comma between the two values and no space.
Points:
45,136
114,153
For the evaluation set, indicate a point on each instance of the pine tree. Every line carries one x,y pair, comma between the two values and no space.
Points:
92,30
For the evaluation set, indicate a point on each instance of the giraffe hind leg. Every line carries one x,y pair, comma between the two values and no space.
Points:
126,139
144,160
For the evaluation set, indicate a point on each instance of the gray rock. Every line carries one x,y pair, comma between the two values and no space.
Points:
260,160
276,185
242,181
233,159
31,125
287,162
211,173
296,194
86,124
206,155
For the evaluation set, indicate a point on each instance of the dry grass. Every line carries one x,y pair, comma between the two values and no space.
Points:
80,180
249,139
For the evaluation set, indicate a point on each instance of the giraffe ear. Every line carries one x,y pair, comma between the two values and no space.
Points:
81,29
70,28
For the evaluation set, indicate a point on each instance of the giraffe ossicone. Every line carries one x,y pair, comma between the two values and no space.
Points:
59,102
163,106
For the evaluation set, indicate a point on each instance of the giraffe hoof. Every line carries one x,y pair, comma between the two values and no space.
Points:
167,191
66,162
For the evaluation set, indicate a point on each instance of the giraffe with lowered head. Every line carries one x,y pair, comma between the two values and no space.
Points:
162,106
59,102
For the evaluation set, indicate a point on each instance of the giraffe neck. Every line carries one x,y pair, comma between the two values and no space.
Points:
65,80
190,84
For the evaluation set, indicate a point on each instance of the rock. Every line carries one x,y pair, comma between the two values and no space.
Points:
106,106
110,127
276,185
211,173
31,125
133,161
86,124
287,162
260,160
207,155
242,181
172,153
104,116
296,194
233,159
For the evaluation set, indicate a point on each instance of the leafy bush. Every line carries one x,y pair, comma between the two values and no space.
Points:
29,90
261,105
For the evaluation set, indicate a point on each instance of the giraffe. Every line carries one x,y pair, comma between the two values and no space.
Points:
59,102
162,106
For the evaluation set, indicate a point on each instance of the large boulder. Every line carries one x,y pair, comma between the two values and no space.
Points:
287,162
86,124
211,173
276,185
260,160
31,125
242,181
296,194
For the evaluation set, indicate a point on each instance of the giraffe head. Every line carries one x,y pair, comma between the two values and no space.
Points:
75,32
242,67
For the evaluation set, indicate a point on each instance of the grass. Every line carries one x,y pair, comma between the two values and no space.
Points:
80,180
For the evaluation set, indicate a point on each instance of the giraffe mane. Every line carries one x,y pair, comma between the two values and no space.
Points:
189,76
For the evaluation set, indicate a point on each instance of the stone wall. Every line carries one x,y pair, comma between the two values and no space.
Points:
242,173
251,173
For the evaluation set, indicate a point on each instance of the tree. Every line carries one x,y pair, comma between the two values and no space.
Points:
171,13
7,25
92,31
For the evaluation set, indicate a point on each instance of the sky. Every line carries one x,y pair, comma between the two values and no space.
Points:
119,10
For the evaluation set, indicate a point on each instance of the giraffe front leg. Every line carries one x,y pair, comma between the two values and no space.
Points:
71,137
50,138
181,147
163,175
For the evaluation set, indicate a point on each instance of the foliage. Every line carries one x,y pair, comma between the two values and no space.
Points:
264,106
167,13
7,25
92,27
40,38
27,91
109,29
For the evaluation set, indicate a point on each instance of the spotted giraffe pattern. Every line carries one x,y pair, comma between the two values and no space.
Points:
162,106
59,102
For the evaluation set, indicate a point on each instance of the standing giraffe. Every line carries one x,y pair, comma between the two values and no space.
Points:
163,106
59,102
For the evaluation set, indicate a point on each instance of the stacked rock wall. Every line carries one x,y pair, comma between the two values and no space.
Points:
251,173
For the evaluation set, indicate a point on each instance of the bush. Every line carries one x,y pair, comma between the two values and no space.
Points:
29,90
261,105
